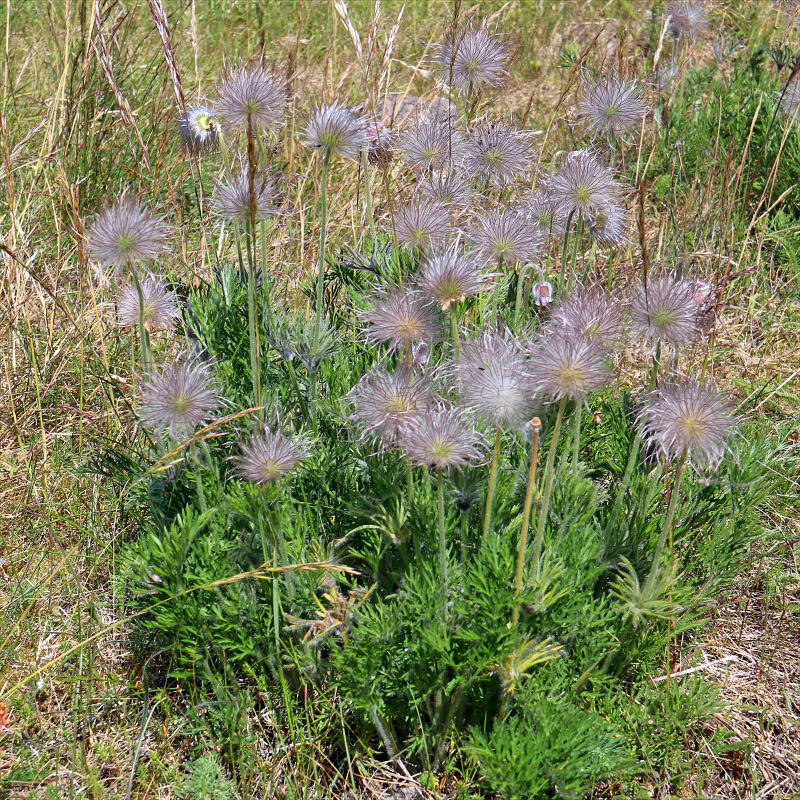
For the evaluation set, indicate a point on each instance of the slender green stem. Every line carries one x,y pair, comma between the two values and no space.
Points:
623,488
198,478
520,289
667,529
496,292
144,336
368,199
300,399
654,371
526,515
548,484
454,326
576,443
561,286
252,322
575,242
266,288
442,539
487,515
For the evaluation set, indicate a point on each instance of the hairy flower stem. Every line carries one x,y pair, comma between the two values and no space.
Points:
144,336
252,309
576,444
654,371
575,242
521,279
454,326
496,292
198,478
442,540
564,253
667,529
487,515
548,485
320,278
368,199
536,425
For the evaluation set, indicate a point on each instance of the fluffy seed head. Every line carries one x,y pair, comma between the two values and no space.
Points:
253,92
688,18
335,128
584,185
790,99
472,58
431,144
383,400
399,316
665,310
610,225
126,234
545,212
496,152
508,235
269,456
441,437
159,303
687,419
178,397
231,201
424,224
592,315
199,129
612,106
493,379
451,276
450,190
566,367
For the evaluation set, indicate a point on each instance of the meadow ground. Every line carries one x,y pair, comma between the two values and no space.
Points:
100,697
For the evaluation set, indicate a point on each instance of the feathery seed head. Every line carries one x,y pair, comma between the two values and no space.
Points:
687,419
431,144
593,315
612,106
270,455
451,190
422,223
451,276
199,129
335,128
566,367
382,400
472,58
584,185
545,212
496,152
159,303
231,201
252,92
381,143
178,397
688,18
665,310
493,379
508,234
399,316
126,234
790,100
441,437
610,225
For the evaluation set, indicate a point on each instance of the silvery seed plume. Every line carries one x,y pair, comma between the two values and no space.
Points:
493,379
472,58
451,189
496,152
199,129
790,99
688,19
179,397
687,419
431,144
451,276
270,455
400,316
231,200
612,106
337,129
253,92
545,212
126,234
160,304
509,235
610,225
590,314
441,437
665,310
566,367
583,185
422,223
381,143
382,400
